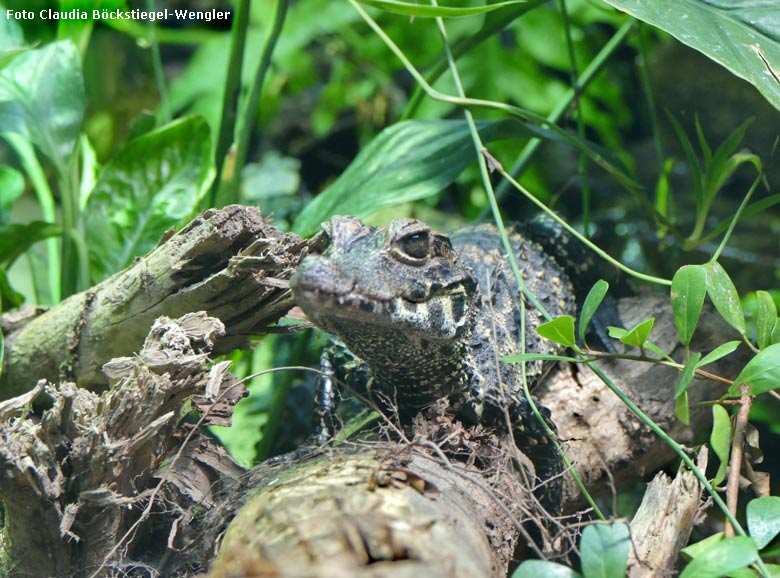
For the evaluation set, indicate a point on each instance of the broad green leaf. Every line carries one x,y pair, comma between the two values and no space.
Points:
415,159
617,332
638,334
742,36
11,188
722,557
721,350
539,568
16,239
689,286
11,39
724,296
423,10
763,519
407,161
604,550
560,330
152,184
697,548
762,373
766,316
591,304
720,440
42,98
526,357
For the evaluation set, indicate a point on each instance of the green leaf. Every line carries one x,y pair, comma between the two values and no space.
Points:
152,184
689,286
591,304
415,159
697,548
682,411
687,374
42,98
11,188
16,239
742,36
720,440
10,298
526,357
537,568
638,334
766,316
724,162
681,392
428,11
722,557
407,161
604,549
724,296
776,332
11,40
693,161
721,350
560,330
762,372
763,519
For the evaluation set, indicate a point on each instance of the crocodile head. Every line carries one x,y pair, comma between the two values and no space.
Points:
401,278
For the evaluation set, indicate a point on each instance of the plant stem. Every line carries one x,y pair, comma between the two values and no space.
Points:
737,451
159,73
227,121
737,215
228,189
587,76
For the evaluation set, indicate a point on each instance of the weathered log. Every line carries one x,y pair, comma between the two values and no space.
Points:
228,262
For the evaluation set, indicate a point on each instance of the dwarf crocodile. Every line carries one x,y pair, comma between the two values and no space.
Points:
428,316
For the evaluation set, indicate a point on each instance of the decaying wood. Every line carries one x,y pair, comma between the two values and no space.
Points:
664,522
76,480
228,262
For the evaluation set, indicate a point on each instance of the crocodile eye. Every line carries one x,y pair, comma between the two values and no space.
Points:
417,245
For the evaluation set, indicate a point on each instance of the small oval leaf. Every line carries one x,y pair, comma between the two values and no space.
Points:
689,286
766,316
721,558
560,330
688,372
591,304
721,350
604,549
724,296
762,373
720,440
763,519
638,334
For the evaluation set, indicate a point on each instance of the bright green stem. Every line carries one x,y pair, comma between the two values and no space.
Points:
587,76
227,121
737,215
45,198
480,149
587,242
228,191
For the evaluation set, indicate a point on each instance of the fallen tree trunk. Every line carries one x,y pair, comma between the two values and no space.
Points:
228,262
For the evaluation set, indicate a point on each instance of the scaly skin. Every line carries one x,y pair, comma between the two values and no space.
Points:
425,317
